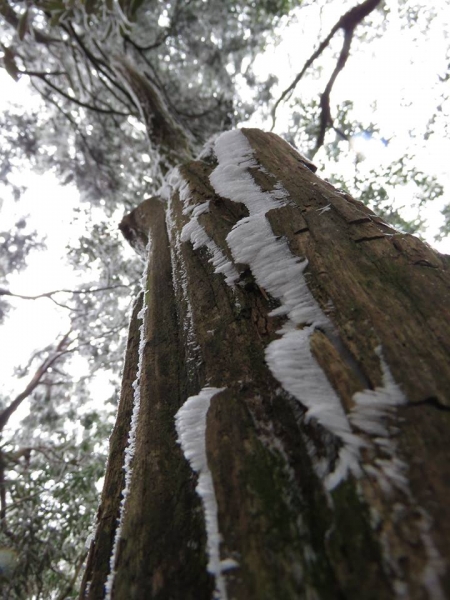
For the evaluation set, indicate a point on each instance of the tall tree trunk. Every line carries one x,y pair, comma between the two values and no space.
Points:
292,402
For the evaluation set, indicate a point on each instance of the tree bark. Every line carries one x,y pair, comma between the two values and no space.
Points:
314,499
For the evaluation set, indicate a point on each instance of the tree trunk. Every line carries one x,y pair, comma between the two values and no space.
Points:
292,406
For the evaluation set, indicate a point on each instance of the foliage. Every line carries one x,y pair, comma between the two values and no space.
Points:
50,485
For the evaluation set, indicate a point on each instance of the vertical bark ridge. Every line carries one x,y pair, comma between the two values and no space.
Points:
98,562
381,530
161,551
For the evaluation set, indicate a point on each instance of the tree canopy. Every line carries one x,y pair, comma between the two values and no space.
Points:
124,90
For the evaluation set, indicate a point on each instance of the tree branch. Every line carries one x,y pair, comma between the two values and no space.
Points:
12,19
71,584
100,65
2,493
41,73
348,22
61,349
49,295
97,109
325,118
4,292
163,129
168,32
71,120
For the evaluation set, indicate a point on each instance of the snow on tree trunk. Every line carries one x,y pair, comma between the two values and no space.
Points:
293,392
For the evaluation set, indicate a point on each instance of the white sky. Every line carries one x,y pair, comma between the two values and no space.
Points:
400,65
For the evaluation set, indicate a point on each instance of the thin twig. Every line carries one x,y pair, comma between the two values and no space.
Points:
71,584
100,65
97,109
62,348
348,23
4,292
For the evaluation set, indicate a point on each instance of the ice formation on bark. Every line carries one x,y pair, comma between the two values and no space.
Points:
191,429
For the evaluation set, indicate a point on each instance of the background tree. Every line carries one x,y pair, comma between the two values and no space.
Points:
131,90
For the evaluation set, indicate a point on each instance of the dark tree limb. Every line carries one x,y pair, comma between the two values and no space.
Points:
3,505
326,119
348,23
41,73
100,64
73,580
61,349
12,19
50,295
98,109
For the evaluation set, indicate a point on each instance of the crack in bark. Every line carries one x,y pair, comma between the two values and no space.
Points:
360,220
432,401
424,263
370,238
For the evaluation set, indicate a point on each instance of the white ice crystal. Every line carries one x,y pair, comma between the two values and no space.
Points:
275,269
131,444
180,283
196,234
190,423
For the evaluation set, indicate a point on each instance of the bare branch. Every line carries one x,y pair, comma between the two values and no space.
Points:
41,73
71,584
164,131
348,22
98,109
306,66
61,348
100,64
325,112
4,292
11,17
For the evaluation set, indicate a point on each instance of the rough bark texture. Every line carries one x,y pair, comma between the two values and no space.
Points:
98,567
291,537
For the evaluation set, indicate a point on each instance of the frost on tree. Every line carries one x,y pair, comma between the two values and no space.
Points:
291,375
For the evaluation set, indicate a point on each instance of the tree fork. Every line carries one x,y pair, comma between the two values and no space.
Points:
164,131
378,531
